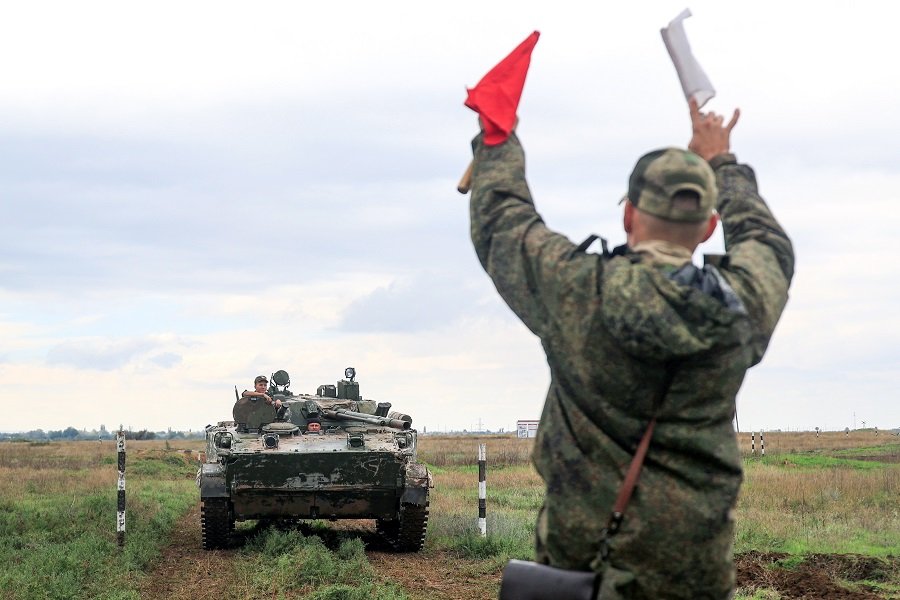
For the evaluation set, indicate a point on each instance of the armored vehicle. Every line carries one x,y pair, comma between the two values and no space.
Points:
331,455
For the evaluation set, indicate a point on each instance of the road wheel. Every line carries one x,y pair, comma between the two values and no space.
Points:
216,523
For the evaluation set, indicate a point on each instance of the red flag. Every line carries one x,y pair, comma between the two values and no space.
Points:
496,97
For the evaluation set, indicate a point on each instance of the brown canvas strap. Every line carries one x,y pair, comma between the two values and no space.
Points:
625,491
631,479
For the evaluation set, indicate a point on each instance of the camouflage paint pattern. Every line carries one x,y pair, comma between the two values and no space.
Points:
619,334
320,471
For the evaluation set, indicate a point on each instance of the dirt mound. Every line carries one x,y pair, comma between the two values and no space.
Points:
817,577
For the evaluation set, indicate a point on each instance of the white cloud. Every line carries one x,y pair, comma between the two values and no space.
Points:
196,193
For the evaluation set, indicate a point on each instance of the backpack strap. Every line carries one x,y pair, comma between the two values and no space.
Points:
604,245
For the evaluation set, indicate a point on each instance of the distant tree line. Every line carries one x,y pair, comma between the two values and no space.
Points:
72,434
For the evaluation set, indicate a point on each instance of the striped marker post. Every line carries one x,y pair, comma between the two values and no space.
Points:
120,509
762,444
482,489
752,443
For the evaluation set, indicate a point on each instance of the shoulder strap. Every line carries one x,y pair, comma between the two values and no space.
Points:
631,478
618,511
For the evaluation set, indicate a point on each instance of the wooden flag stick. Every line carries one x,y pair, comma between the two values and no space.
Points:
466,181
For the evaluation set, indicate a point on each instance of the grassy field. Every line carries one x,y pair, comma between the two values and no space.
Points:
808,497
57,517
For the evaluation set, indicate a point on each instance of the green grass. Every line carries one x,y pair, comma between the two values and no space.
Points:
499,545
809,503
58,540
884,450
63,545
749,536
281,562
168,466
511,514
516,500
759,595
817,461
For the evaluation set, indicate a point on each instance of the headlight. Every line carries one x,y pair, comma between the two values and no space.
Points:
223,440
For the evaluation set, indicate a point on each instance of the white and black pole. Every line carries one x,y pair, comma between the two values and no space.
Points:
482,489
762,444
120,504
752,442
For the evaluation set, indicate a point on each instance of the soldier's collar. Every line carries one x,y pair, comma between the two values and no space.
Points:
659,251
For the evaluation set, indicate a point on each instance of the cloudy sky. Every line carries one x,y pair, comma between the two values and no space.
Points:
195,193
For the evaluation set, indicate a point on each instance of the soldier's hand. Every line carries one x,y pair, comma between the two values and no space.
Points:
710,137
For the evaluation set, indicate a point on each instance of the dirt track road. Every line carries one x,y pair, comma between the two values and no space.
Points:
186,572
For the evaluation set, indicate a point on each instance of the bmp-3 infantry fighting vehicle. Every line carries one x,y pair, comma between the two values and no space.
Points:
332,455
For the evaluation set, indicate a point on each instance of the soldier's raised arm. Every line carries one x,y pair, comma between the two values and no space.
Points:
761,257
538,272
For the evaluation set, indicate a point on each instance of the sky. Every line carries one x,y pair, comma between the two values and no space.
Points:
196,193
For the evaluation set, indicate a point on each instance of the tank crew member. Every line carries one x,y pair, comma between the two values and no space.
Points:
637,333
260,384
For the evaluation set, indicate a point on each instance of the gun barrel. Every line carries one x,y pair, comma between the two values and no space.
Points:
349,415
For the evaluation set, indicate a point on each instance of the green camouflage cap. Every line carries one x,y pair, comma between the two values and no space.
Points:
661,174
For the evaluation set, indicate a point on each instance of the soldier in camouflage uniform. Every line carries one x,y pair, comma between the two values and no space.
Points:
637,332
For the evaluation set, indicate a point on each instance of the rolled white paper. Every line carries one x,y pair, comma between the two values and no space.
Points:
693,80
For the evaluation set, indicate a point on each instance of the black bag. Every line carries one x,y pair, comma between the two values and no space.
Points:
524,580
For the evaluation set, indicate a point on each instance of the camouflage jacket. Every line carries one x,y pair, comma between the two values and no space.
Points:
628,335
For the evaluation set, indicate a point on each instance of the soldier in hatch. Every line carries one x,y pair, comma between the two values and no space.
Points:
637,333
260,385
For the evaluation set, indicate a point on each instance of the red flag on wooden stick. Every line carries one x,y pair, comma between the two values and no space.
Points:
496,97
